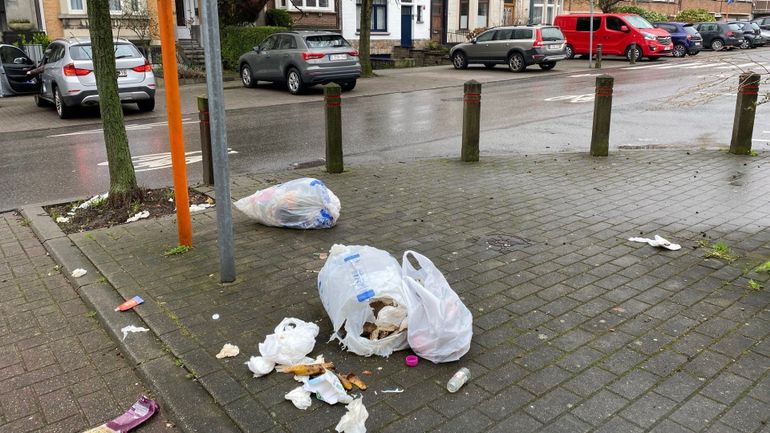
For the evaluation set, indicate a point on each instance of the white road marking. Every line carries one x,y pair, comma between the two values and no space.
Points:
132,127
158,161
641,67
584,75
742,65
588,97
680,65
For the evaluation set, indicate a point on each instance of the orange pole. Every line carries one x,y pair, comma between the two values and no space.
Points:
174,112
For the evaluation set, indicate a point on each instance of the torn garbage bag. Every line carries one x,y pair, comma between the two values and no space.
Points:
304,203
354,420
357,285
292,340
328,388
300,397
440,325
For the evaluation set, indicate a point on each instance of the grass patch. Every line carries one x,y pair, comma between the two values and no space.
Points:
753,285
764,267
721,251
175,251
91,314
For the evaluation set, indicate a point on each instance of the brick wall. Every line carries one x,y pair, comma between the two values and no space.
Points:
53,25
314,20
738,10
385,46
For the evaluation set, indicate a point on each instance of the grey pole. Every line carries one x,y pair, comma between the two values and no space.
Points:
213,55
745,109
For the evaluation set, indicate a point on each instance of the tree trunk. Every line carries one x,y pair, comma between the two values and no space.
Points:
364,40
123,185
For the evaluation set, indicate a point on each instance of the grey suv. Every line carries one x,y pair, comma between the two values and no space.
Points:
301,59
68,79
517,47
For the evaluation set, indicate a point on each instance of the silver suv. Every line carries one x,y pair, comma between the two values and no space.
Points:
517,47
301,59
68,79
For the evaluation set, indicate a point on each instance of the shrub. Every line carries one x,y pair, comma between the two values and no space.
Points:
694,16
647,14
238,40
278,18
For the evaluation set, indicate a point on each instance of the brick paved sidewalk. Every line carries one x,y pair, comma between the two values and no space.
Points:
575,328
59,371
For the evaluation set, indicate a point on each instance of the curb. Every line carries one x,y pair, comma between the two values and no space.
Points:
192,407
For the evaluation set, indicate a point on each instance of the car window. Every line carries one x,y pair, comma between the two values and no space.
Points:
122,51
667,27
734,27
755,26
9,54
551,34
326,41
583,24
269,43
58,53
522,34
690,29
486,36
614,23
504,35
638,22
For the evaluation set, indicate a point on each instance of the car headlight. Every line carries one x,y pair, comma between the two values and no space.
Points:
649,36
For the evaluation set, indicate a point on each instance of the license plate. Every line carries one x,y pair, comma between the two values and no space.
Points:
338,56
122,73
697,44
553,47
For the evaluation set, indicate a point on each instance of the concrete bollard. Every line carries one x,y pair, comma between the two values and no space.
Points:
205,128
600,135
333,111
745,109
471,121
633,53
599,56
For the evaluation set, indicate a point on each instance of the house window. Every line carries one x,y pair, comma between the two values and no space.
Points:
419,13
76,5
482,19
463,14
115,6
306,5
379,15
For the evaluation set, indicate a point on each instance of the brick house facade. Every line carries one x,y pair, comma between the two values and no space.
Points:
739,10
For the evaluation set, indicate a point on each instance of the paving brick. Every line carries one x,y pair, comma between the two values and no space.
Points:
697,412
726,388
747,415
648,409
552,405
633,384
599,408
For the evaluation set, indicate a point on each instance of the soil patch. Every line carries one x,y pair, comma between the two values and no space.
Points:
73,219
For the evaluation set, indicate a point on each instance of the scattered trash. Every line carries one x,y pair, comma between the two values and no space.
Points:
354,420
62,219
658,242
367,373
542,337
305,369
200,207
228,351
392,391
131,303
323,256
290,343
328,388
215,316
355,285
354,380
138,216
141,411
300,397
79,272
440,325
131,328
93,200
459,379
412,360
619,310
304,203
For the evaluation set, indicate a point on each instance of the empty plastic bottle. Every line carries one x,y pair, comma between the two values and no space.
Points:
458,380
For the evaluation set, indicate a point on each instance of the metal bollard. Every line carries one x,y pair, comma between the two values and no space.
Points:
599,56
600,135
745,109
471,121
333,112
633,53
205,128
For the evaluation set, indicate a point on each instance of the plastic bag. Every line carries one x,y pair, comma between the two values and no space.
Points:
300,397
440,325
354,278
328,388
304,203
292,341
354,420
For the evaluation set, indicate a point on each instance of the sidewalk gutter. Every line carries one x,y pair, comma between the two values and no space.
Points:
191,406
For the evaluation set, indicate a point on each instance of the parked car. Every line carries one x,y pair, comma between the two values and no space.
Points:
619,34
14,65
685,38
762,22
752,34
301,59
69,82
719,36
517,47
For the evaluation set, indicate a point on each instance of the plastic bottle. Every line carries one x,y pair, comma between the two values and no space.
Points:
458,380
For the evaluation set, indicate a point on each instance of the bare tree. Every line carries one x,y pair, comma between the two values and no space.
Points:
607,5
140,22
123,186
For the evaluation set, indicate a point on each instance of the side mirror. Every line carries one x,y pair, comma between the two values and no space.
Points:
21,61
473,41
257,49
624,29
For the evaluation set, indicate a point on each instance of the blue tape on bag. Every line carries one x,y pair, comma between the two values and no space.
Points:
352,257
363,296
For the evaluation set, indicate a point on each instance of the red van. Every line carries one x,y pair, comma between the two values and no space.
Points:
616,32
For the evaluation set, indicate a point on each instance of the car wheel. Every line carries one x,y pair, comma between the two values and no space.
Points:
679,50
489,65
717,45
63,110
40,102
633,50
547,66
459,60
246,77
745,44
146,105
569,51
348,85
516,62
294,82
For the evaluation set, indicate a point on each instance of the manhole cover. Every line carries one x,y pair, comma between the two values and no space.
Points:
504,242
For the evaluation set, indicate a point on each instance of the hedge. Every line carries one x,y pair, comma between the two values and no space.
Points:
647,14
695,16
237,41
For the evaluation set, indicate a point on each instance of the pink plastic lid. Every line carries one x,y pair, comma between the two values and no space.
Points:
412,360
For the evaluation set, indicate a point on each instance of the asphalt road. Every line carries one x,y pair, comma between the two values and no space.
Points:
536,113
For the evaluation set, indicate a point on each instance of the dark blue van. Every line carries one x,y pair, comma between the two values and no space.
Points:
685,37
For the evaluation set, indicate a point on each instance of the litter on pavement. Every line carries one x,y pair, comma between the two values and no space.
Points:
658,242
138,216
61,219
300,397
354,420
131,328
228,351
290,343
392,391
141,411
93,200
328,388
200,207
79,272
131,303
304,203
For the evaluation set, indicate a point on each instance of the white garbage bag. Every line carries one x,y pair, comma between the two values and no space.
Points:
300,397
292,341
440,325
352,283
328,388
304,203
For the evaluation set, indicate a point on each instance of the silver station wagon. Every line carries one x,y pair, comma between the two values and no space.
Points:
301,59
517,47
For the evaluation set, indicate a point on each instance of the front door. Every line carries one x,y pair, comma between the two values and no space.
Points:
437,21
186,17
406,26
508,13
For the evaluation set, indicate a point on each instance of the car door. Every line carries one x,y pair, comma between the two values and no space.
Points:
281,56
52,69
481,50
263,57
707,32
501,44
613,39
16,64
